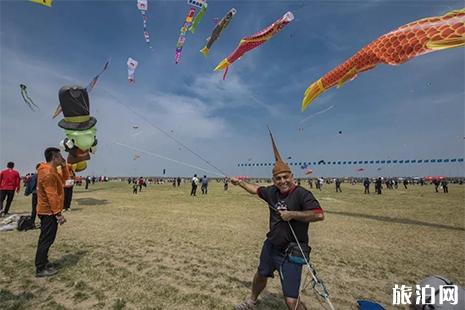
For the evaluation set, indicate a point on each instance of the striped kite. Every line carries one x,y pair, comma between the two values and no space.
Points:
202,5
182,34
394,48
198,17
142,5
255,40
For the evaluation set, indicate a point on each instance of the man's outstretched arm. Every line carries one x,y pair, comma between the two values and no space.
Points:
251,188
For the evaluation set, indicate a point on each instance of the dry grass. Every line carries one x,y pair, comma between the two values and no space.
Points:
162,249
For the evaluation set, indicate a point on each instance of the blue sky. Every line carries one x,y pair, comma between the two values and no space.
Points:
412,111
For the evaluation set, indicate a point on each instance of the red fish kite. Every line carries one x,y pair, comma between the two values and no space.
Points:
248,43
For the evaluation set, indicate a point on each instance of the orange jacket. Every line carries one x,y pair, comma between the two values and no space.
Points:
50,193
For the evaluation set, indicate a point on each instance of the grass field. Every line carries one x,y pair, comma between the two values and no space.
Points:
162,249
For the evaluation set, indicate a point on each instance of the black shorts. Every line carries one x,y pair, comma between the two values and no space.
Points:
290,274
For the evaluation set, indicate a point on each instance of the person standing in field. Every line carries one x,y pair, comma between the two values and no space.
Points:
338,185
444,186
366,185
204,186
289,204
378,186
9,183
31,188
194,183
88,179
50,201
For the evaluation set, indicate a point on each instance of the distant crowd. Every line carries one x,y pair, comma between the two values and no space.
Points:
10,183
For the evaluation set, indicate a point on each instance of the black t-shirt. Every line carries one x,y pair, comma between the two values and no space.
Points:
299,199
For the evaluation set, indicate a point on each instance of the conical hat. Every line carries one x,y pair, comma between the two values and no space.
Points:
279,166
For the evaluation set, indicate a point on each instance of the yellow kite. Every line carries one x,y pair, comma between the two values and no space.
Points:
43,2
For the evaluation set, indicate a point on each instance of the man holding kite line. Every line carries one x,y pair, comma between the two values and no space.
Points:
293,207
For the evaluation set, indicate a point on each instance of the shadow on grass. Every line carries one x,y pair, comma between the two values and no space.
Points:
395,220
69,260
271,301
9,300
91,202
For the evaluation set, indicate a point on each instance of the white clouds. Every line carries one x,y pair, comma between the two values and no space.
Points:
230,94
191,118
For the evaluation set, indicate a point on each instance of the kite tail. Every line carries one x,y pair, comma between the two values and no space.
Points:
312,92
28,101
32,102
225,73
222,65
205,51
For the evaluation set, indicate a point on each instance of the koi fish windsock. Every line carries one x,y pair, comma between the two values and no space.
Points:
394,48
248,43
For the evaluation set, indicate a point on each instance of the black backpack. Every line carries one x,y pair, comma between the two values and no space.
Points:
25,223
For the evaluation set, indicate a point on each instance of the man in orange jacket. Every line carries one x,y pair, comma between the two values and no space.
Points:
50,199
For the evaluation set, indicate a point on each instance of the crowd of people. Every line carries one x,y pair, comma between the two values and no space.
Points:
379,183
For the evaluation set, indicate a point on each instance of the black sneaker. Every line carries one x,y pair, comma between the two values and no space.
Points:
46,272
51,266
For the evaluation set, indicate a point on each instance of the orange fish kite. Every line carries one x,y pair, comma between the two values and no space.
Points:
394,48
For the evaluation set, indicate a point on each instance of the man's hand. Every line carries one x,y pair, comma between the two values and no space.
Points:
60,219
286,215
249,187
235,181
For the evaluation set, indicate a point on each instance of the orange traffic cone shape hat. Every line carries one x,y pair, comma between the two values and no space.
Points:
279,166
